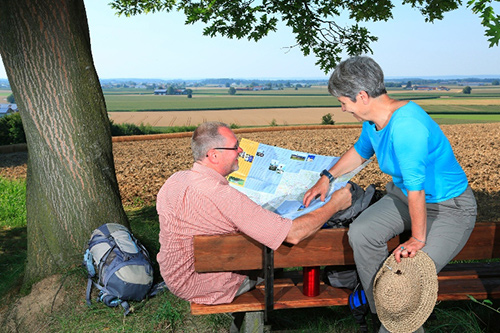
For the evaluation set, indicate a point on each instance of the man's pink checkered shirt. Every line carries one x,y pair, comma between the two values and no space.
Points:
201,202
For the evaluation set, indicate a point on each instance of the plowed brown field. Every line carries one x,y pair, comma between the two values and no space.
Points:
246,117
143,166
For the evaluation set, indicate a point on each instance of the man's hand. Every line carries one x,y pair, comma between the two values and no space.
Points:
307,224
319,189
342,198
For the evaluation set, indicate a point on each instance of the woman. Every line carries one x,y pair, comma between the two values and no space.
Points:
429,193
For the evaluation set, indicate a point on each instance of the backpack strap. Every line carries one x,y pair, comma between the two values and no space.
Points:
89,265
158,288
126,307
89,289
90,282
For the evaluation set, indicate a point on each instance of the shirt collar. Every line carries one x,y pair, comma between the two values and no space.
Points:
209,172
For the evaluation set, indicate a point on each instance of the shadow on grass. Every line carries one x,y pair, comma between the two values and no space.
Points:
13,249
13,159
145,227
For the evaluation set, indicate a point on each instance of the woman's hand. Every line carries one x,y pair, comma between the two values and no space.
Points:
407,249
319,189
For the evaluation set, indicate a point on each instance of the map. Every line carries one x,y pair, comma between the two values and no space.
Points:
277,178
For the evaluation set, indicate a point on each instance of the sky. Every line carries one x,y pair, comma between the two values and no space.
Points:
160,46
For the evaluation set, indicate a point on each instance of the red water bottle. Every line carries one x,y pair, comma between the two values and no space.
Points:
311,281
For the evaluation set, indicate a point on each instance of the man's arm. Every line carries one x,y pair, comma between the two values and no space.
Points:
308,224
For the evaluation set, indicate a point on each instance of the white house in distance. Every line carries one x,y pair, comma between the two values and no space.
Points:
6,109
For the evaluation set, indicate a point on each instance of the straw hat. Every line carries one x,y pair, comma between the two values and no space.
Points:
405,293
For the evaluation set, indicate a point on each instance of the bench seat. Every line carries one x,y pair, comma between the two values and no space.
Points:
456,282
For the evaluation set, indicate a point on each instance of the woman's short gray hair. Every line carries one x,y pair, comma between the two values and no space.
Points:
205,137
357,74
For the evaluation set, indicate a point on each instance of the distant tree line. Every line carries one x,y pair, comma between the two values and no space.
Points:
417,81
152,84
12,130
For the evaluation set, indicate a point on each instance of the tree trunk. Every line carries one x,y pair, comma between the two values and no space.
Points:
71,181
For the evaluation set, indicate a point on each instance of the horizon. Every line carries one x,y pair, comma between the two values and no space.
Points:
458,76
387,78
161,45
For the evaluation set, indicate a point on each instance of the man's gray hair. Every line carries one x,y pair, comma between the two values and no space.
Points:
205,137
357,74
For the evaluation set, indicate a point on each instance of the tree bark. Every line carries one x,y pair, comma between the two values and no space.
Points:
71,181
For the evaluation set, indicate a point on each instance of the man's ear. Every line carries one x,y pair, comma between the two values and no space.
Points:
212,156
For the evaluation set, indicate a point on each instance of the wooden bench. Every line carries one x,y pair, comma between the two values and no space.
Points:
237,252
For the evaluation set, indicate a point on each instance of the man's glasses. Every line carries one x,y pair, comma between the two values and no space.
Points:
224,148
236,147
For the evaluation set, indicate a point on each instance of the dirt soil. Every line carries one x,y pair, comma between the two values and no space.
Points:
143,166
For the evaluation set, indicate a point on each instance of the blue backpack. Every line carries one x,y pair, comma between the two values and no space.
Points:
118,265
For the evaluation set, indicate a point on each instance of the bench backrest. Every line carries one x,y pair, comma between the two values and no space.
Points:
234,252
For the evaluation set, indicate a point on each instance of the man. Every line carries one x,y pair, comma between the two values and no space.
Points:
201,202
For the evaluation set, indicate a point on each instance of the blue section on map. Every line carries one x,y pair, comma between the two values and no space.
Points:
292,208
275,160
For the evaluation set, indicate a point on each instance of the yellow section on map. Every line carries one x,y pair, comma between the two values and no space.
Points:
244,161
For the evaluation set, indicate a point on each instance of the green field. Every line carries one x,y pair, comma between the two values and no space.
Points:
4,93
482,105
316,96
213,102
465,118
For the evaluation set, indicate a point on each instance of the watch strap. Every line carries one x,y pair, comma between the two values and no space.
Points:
328,175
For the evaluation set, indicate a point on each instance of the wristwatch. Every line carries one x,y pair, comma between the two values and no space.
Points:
328,175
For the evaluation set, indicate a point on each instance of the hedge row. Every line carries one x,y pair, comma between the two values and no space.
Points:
12,131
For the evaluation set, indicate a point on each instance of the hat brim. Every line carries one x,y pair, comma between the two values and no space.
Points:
405,293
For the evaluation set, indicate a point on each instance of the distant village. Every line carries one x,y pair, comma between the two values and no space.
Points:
6,109
184,87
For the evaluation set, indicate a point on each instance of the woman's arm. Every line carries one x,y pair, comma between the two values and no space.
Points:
348,162
418,215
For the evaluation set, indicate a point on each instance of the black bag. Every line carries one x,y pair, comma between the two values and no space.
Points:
341,276
361,199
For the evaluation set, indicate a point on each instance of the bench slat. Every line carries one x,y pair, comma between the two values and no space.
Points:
235,252
455,290
289,297
480,280
483,243
230,252
470,271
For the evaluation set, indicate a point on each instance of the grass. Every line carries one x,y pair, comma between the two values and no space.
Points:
12,216
168,313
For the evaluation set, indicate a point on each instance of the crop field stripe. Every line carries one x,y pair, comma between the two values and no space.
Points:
469,117
166,103
462,109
